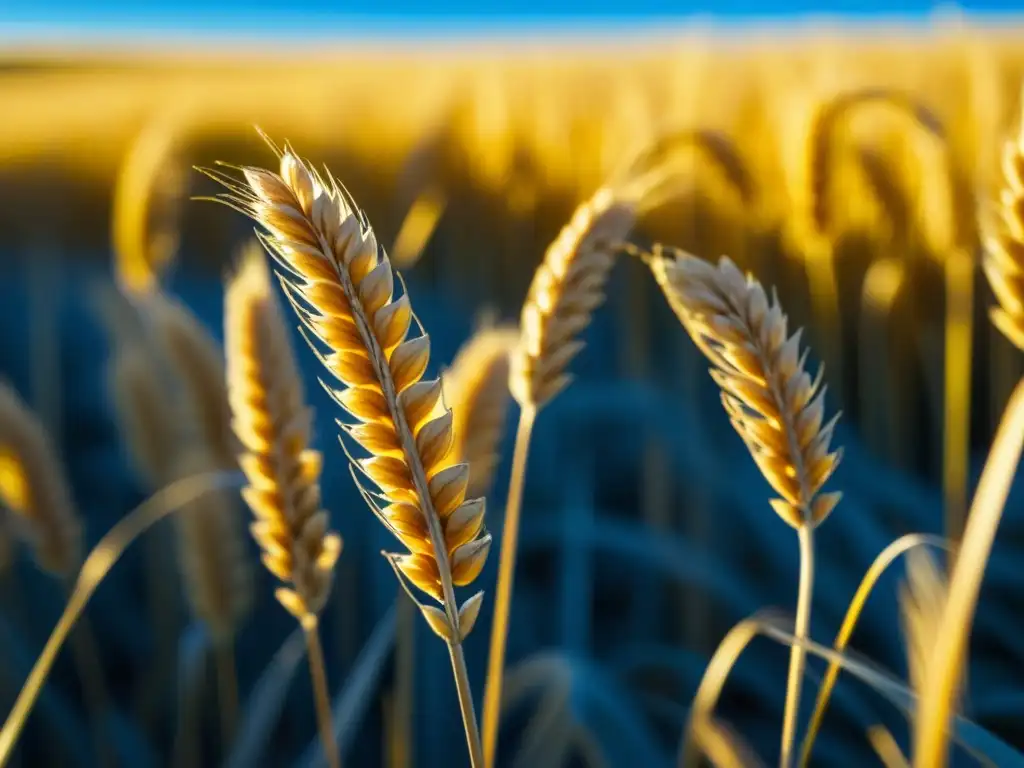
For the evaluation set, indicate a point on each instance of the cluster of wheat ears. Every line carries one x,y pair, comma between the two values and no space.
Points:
422,450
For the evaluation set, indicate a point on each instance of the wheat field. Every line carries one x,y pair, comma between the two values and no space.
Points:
574,335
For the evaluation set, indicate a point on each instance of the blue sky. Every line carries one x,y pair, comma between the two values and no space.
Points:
38,17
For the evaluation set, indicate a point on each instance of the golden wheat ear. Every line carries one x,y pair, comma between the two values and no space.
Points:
1003,259
34,489
340,283
566,289
773,403
274,427
476,389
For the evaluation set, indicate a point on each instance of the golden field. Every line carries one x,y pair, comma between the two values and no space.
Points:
868,179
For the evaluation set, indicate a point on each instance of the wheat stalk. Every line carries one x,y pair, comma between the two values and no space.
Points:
1003,258
772,402
947,657
341,284
476,389
274,425
922,599
566,289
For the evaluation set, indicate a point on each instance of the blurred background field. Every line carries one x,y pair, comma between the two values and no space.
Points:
843,164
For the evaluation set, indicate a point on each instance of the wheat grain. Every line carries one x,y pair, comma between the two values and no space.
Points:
341,284
273,424
1003,259
476,389
196,362
33,488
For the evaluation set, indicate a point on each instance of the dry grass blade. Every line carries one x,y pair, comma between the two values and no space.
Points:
947,658
197,364
772,402
274,426
341,284
33,488
476,389
1003,258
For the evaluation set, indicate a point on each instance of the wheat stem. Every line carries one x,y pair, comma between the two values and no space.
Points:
948,658
880,565
466,704
503,591
798,656
318,673
403,709
227,690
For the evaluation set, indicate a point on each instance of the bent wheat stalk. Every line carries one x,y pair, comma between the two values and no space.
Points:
274,425
772,402
566,289
341,285
94,569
